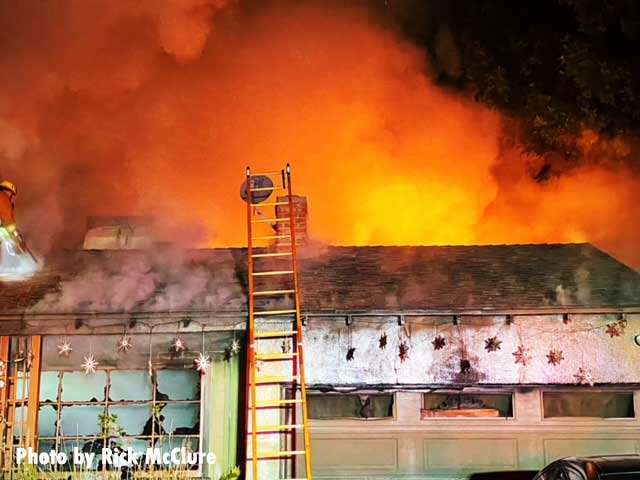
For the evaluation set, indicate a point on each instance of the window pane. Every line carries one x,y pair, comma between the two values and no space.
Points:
22,388
81,419
138,445
467,405
134,385
167,444
350,406
181,419
49,386
45,446
47,418
588,404
178,385
133,418
79,387
20,419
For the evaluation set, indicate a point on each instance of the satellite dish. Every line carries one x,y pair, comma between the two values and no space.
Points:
259,181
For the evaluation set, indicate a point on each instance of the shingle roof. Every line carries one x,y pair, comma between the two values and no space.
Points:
342,279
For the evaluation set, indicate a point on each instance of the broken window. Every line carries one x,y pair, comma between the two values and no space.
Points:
343,406
593,404
117,405
467,404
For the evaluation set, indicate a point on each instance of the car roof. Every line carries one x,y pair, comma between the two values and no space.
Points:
609,464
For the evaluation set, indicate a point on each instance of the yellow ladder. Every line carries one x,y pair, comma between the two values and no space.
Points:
275,331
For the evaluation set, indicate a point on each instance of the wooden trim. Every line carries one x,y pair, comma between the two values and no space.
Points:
5,342
34,392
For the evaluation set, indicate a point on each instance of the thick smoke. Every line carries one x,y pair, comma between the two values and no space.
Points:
155,108
159,279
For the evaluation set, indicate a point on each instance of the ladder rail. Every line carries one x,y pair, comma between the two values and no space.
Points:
251,364
299,336
289,421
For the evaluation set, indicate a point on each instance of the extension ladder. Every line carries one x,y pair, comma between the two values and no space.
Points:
277,417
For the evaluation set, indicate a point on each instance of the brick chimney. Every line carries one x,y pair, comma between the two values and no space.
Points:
299,220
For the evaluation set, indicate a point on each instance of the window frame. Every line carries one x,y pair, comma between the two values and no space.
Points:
392,418
567,389
59,438
471,392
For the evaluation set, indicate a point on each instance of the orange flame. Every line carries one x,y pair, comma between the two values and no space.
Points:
384,155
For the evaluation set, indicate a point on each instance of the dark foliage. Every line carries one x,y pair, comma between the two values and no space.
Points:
556,66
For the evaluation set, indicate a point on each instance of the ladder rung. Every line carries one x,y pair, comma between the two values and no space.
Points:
275,220
272,272
275,356
278,403
277,379
280,454
269,204
282,333
267,189
273,312
277,428
275,254
272,292
270,237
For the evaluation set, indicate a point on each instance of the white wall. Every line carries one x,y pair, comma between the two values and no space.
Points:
584,343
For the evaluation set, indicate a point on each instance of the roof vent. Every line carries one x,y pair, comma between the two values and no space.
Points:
118,233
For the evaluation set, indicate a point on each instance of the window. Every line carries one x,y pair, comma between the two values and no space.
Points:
344,406
588,404
464,404
120,404
78,410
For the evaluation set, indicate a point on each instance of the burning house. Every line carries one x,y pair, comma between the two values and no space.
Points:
422,362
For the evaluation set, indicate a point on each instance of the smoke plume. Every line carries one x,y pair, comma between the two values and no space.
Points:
154,108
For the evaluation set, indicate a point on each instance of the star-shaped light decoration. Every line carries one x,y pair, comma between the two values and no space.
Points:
65,348
403,351
89,365
350,353
614,330
382,341
554,357
285,346
178,346
492,344
623,323
202,363
124,343
439,342
235,346
522,355
584,376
